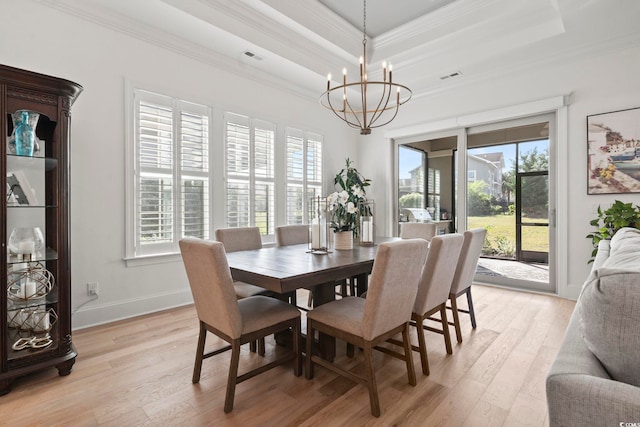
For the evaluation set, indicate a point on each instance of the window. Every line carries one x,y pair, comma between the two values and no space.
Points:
250,173
471,176
171,173
171,179
304,173
433,189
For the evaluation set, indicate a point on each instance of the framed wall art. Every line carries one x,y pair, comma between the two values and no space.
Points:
613,151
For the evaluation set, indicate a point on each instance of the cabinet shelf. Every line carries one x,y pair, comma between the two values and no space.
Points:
49,163
48,255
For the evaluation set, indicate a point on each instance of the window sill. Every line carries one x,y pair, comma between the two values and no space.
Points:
143,260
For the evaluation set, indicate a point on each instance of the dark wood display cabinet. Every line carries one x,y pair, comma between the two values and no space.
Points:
35,302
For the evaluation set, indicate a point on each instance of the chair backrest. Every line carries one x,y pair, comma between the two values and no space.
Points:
417,230
239,239
211,285
292,234
393,285
468,261
437,275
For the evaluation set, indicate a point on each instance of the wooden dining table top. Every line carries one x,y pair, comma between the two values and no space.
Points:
286,268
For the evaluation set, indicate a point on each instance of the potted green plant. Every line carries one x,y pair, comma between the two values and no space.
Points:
609,221
343,203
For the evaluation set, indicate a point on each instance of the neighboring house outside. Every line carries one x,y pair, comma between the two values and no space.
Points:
488,168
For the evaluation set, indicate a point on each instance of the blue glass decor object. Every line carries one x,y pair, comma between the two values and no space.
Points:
24,123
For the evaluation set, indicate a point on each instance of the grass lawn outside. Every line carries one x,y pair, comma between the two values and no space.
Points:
501,234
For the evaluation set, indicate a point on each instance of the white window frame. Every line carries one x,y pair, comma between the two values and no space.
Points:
134,250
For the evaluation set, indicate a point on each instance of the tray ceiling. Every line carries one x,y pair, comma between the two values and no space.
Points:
295,43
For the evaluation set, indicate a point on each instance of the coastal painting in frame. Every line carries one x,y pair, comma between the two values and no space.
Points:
614,152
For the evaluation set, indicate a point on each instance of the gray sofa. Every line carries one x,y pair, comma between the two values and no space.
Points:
595,379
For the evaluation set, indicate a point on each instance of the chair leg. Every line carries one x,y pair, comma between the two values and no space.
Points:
411,373
371,379
310,299
261,346
233,376
197,367
471,312
308,369
297,362
456,317
422,345
350,350
252,346
343,288
445,329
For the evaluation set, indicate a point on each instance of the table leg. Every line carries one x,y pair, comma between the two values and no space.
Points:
323,294
362,284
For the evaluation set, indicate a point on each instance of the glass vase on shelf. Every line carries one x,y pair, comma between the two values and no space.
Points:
24,132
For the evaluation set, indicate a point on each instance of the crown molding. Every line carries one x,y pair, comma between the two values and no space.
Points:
149,34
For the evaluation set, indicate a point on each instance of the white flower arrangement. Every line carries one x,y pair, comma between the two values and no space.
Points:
343,204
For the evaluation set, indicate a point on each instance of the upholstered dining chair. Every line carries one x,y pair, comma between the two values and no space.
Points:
244,239
296,234
386,311
421,230
466,268
235,321
433,293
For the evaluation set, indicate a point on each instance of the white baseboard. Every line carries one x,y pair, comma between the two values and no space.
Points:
99,314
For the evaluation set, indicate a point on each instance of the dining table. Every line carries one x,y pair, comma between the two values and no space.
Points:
284,269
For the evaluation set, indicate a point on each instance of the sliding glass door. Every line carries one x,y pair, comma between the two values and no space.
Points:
508,190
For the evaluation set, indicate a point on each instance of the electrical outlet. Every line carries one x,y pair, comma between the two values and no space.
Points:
92,289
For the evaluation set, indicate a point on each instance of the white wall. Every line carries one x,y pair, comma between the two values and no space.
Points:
597,84
42,39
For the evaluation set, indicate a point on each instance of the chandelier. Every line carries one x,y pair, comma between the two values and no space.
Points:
366,104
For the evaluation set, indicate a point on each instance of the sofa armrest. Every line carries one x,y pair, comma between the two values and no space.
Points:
581,393
585,400
604,249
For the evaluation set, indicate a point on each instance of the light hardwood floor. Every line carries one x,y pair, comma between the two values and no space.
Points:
138,372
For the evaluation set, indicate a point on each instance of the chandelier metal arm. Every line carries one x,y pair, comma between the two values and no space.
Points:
357,125
386,89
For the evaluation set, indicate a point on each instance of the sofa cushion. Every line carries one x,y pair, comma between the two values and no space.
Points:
610,309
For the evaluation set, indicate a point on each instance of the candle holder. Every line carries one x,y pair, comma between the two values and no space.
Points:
33,320
319,242
30,284
366,224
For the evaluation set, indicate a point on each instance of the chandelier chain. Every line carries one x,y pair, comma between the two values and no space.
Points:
364,23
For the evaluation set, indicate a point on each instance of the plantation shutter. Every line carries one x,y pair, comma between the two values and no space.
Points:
304,174
155,218
264,148
172,173
250,160
194,157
